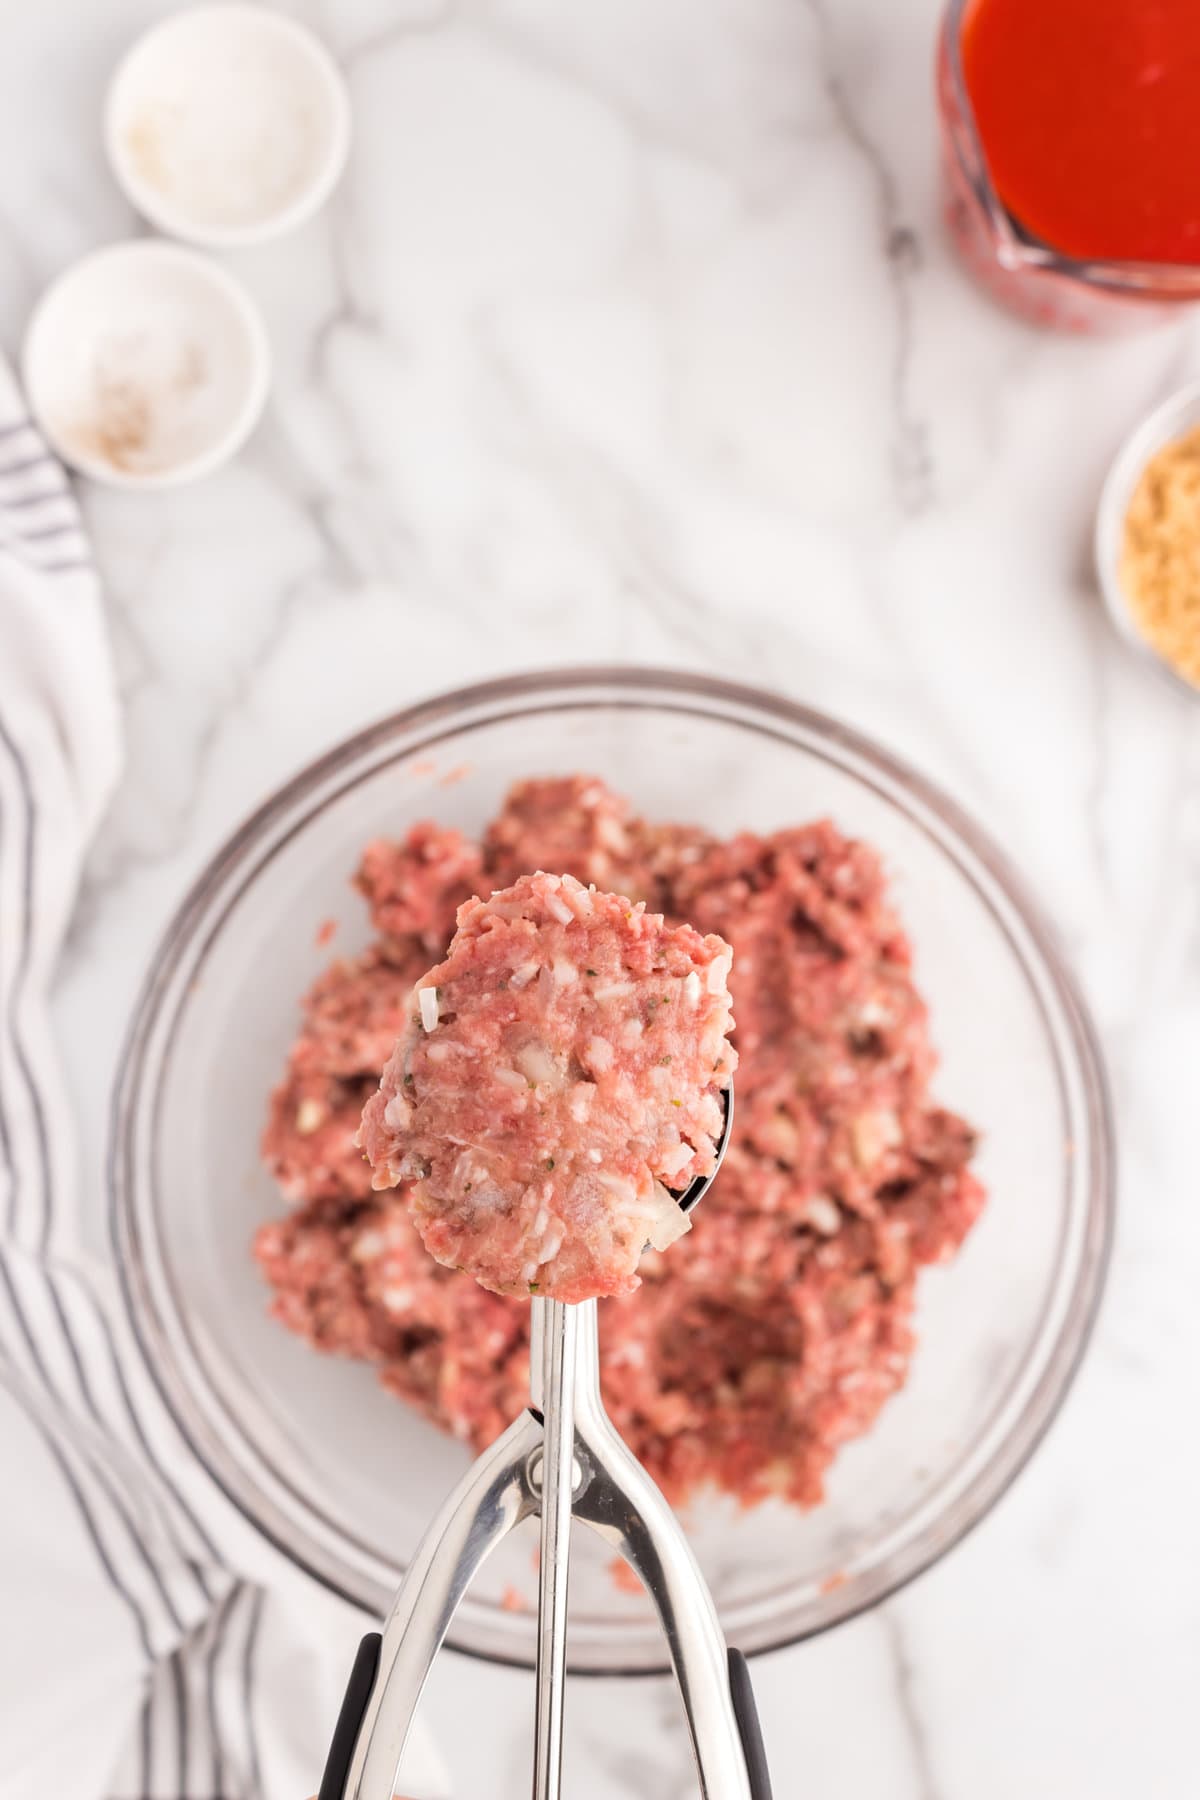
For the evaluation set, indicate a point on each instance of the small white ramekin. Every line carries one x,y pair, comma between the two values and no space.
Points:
146,365
227,124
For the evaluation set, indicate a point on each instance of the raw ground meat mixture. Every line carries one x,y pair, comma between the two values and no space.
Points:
775,1330
558,1072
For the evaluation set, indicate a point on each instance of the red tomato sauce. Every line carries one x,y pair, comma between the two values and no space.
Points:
1089,116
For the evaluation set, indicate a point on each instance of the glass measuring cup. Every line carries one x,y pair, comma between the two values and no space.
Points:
1030,277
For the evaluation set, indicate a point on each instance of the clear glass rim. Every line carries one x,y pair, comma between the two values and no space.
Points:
773,715
1015,248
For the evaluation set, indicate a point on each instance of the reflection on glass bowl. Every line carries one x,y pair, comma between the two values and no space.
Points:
340,1474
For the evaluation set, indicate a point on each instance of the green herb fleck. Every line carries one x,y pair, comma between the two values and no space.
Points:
664,1060
589,972
549,1162
533,1287
408,1080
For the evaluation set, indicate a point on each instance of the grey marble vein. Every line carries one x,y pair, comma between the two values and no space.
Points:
926,1784
900,245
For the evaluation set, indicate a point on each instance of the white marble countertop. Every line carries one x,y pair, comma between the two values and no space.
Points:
632,334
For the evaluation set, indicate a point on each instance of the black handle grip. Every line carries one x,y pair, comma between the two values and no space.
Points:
749,1729
354,1705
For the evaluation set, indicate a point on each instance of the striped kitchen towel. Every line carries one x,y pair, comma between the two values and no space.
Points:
154,1647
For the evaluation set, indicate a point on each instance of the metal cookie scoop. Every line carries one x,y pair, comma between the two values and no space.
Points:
561,1459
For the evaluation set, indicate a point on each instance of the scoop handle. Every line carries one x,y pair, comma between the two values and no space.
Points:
350,1718
491,1499
554,1333
745,1711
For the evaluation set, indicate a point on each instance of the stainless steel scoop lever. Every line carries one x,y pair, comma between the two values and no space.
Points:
561,1459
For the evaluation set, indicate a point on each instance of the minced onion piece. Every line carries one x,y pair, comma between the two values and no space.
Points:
397,1113
673,1160
718,973
612,990
537,1065
617,1184
670,1221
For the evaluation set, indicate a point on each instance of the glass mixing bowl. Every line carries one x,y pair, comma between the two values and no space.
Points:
340,1474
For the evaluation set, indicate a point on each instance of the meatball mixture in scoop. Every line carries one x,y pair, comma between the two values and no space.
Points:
561,1071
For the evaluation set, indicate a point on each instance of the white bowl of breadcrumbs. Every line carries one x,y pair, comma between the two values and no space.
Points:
1147,538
